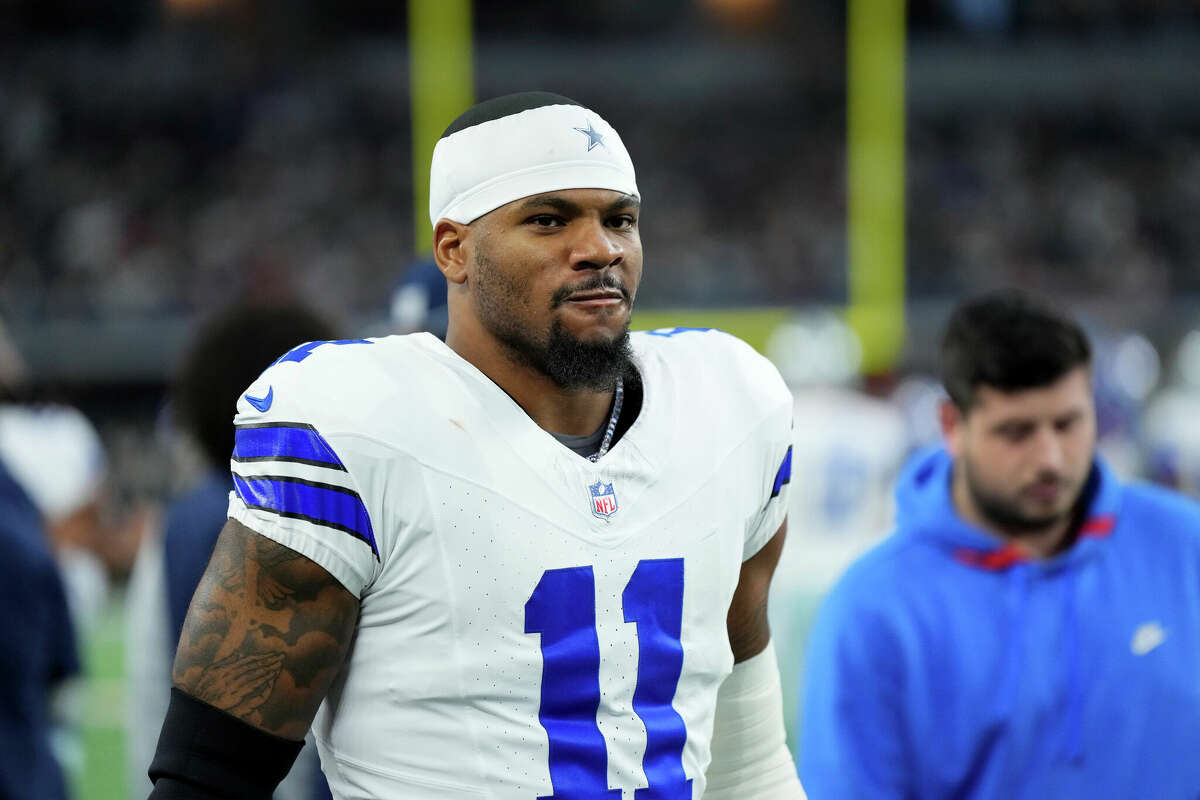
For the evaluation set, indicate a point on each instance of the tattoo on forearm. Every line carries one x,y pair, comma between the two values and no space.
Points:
265,635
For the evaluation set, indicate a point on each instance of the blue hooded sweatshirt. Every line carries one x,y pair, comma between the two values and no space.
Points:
945,664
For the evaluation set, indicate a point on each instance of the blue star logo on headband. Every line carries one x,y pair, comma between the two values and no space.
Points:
594,138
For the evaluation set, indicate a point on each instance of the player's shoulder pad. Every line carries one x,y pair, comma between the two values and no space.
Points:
319,382
717,362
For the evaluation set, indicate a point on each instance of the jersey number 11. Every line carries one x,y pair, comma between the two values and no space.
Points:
563,610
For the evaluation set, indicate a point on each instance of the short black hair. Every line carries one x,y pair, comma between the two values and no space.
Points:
228,353
1009,341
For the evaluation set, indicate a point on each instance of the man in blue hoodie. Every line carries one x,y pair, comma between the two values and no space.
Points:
1032,628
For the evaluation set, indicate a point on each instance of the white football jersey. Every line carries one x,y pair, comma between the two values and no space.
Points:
532,624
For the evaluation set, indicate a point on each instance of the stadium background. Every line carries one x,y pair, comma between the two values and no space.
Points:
161,158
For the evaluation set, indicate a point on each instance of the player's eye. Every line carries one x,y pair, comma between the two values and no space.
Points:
623,222
544,221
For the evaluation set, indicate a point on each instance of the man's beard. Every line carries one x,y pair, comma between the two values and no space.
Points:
570,362
1005,513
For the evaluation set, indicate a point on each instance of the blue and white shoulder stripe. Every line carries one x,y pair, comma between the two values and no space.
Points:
288,469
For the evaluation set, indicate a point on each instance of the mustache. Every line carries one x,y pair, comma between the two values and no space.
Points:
597,283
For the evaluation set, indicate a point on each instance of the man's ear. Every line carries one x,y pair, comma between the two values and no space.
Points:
449,238
953,422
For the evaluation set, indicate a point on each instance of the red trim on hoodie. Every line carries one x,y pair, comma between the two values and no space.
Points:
991,560
1099,527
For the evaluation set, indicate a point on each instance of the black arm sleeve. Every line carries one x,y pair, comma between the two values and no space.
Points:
205,754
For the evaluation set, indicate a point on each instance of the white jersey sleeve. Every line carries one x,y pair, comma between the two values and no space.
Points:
766,522
302,476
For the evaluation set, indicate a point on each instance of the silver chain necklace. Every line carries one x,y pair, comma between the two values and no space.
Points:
606,442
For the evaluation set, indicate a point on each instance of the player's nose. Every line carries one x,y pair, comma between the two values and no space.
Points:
596,246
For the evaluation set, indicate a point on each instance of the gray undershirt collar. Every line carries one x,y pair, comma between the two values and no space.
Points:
583,445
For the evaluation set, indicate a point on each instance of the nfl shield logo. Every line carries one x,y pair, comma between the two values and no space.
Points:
604,499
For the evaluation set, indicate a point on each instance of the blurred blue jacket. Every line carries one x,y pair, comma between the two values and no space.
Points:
944,664
419,300
194,521
37,649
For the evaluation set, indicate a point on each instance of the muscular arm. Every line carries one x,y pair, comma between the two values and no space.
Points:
747,619
265,634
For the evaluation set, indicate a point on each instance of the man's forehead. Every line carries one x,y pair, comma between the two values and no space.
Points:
1072,390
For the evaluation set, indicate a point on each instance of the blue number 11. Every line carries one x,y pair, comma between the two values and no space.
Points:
563,610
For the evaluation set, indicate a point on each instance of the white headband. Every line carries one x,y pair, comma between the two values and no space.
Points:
478,169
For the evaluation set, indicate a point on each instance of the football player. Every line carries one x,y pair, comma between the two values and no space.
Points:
530,561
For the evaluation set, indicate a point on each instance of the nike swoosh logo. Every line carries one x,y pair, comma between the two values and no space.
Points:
262,403
1148,636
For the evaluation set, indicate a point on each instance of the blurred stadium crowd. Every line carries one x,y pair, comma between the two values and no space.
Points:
159,174
158,161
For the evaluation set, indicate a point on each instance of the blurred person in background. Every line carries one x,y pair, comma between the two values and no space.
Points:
228,353
1032,627
419,300
523,562
918,396
36,635
38,643
55,454
1127,370
1171,423
849,446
